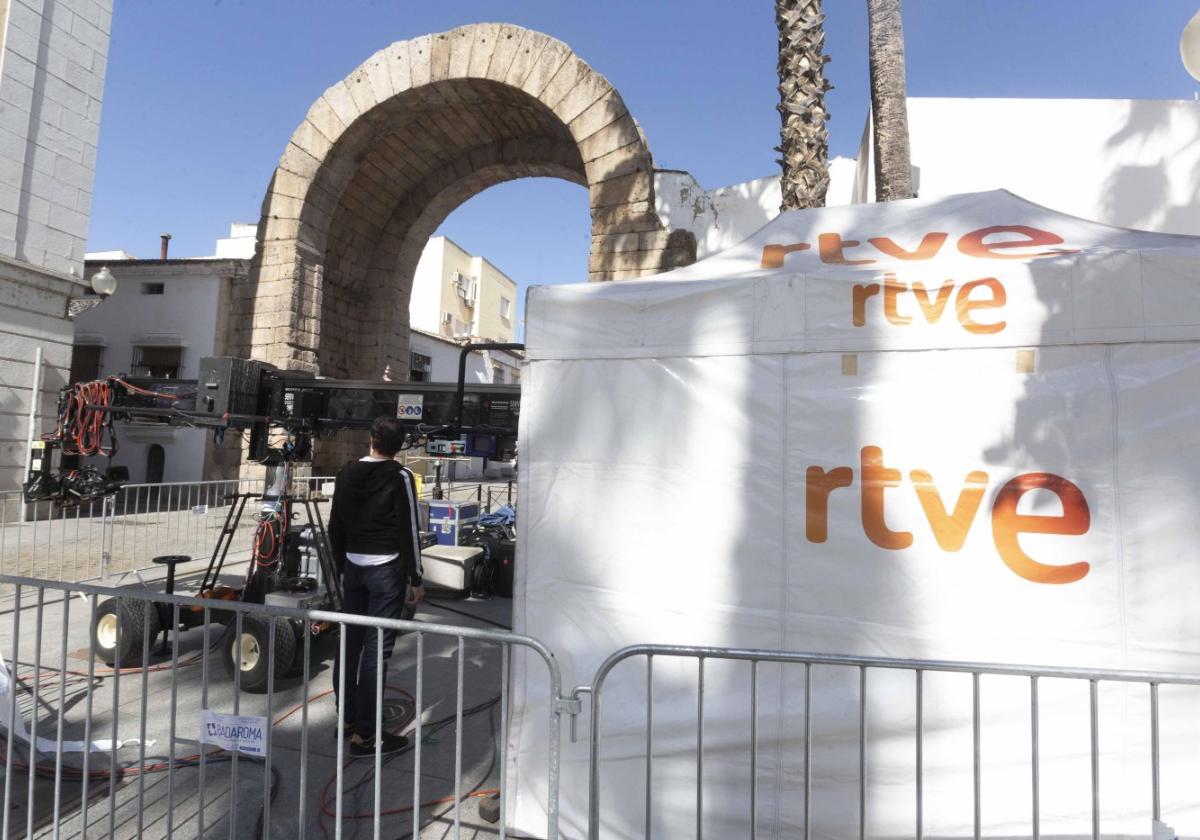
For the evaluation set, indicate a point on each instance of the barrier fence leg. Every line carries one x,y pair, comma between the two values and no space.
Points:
107,523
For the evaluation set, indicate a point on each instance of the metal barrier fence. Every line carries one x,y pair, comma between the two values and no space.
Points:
161,775
920,669
119,533
488,493
122,533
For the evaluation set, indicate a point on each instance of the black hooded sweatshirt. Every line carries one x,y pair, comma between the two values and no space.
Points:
375,512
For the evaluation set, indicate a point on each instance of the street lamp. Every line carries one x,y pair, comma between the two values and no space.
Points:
1189,46
103,282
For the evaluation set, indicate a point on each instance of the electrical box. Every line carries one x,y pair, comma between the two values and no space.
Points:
228,386
448,518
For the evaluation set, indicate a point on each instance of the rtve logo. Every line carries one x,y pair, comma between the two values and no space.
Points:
951,526
1013,243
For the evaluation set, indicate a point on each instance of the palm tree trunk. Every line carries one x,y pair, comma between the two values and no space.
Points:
889,110
804,139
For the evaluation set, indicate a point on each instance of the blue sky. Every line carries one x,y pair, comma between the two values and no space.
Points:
201,97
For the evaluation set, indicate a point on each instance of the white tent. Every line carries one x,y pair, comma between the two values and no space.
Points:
961,428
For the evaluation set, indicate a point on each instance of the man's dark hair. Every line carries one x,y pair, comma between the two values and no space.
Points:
387,435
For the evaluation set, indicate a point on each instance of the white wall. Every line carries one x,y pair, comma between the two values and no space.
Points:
51,85
724,216
52,66
1130,163
425,300
186,315
445,359
240,243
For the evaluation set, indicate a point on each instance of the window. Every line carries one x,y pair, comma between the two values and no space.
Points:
497,372
153,289
419,367
157,362
514,376
505,308
85,362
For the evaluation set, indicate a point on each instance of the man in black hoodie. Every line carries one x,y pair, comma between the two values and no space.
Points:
373,531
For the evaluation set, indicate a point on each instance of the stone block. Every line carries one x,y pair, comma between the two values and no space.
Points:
609,242
624,189
636,217
310,140
25,19
439,65
325,120
553,57
591,89
17,97
89,34
571,73
17,67
509,40
610,138
289,184
281,229
299,162
22,43
461,40
69,221
528,53
361,91
619,162
339,99
629,260
420,60
484,41
378,76
399,69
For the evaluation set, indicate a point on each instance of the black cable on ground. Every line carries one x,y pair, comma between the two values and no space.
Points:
435,603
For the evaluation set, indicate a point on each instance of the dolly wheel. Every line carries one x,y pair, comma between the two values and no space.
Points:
251,650
123,623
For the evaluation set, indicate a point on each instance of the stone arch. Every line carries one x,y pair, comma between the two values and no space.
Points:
384,155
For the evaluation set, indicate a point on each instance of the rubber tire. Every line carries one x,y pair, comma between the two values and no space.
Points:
254,679
299,628
131,627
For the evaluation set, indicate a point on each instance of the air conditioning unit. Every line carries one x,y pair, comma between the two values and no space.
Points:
447,318
465,287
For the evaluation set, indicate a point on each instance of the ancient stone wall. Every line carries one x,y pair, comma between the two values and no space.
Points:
383,156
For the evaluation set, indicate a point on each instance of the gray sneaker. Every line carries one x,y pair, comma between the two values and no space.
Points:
388,743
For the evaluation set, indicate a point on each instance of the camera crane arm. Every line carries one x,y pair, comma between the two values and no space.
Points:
246,395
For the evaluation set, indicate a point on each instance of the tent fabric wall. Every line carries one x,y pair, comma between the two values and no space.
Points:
674,428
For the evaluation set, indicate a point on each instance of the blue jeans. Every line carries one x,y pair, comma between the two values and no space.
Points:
377,591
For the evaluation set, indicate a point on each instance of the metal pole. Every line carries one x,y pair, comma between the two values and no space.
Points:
1095,721
1035,756
753,749
35,396
1154,757
920,755
975,751
807,747
700,749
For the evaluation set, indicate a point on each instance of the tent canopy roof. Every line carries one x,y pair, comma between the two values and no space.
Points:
985,269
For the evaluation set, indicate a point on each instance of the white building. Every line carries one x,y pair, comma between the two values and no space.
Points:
1129,163
459,295
53,57
167,314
